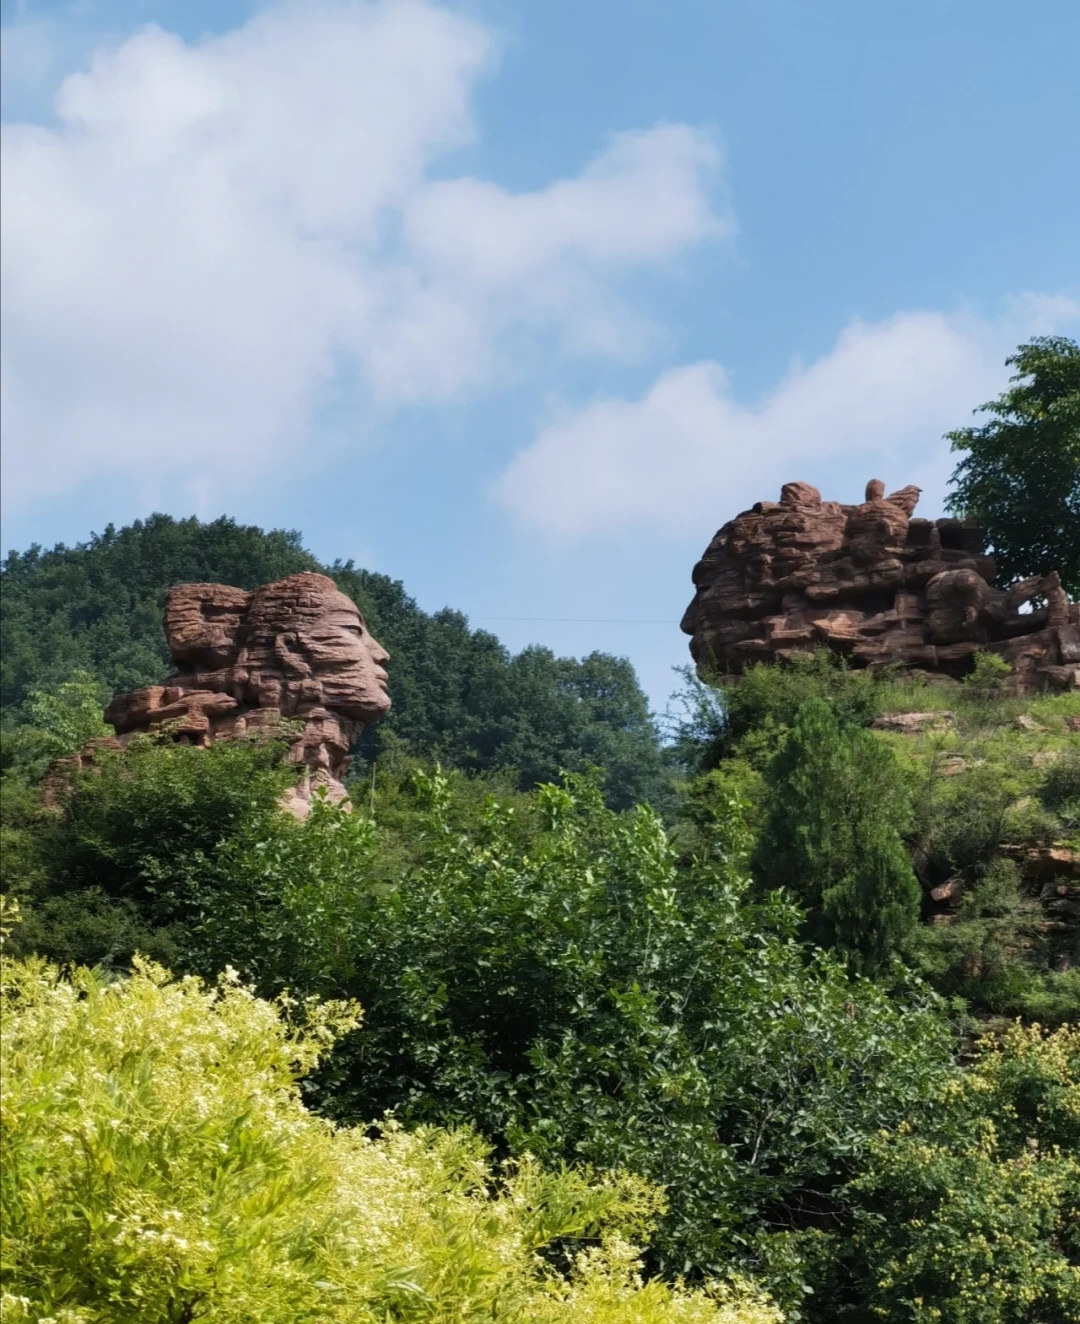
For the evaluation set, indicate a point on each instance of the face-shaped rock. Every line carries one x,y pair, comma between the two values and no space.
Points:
297,648
875,585
305,635
349,662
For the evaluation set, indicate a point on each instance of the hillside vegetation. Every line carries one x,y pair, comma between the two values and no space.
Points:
979,787
497,1039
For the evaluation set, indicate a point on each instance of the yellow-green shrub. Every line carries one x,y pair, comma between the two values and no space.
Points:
160,1167
971,1215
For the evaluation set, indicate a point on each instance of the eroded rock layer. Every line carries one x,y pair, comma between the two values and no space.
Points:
876,584
292,657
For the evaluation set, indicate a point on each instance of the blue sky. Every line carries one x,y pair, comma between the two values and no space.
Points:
518,302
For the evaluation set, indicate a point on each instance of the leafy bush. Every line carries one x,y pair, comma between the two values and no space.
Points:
60,719
759,705
537,966
987,678
576,994
1060,789
971,1214
159,1165
149,823
978,955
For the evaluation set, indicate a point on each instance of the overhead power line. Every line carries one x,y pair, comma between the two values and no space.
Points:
571,620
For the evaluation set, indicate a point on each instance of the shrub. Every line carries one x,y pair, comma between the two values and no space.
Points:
837,805
159,1165
988,676
761,703
140,842
971,1215
1060,789
979,955
577,994
59,720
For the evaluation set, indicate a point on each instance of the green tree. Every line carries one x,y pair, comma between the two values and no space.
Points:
61,718
970,1213
576,994
141,843
538,966
1020,476
832,836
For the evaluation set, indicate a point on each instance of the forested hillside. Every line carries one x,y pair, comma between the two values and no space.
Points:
458,694
936,821
493,1039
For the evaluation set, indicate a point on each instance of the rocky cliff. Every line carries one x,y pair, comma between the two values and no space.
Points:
874,583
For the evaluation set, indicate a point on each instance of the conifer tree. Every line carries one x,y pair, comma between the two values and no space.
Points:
832,837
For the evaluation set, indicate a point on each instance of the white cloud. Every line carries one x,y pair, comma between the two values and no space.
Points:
687,452
214,230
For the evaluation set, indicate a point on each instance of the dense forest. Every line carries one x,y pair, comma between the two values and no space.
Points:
773,1019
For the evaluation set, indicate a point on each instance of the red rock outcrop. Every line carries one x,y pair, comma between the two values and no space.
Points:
248,662
875,584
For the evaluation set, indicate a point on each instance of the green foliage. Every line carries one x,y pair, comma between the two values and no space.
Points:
972,1215
97,606
995,779
459,695
568,980
537,966
59,721
573,993
747,714
159,1165
987,677
141,841
976,956
836,808
1020,475
1059,791
984,795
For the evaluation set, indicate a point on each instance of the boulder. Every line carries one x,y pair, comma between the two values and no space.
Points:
876,585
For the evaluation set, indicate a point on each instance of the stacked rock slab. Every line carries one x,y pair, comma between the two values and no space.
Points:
292,658
876,585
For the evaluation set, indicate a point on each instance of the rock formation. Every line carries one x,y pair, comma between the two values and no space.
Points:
875,584
245,662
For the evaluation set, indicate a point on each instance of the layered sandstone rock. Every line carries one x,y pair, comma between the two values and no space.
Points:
293,658
875,584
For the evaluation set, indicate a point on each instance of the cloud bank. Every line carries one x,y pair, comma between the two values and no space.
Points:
687,452
213,233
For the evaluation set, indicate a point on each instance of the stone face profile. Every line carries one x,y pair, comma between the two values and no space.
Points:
874,583
295,649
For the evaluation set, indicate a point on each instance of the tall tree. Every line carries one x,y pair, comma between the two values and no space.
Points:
837,807
1020,476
